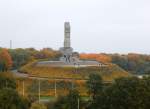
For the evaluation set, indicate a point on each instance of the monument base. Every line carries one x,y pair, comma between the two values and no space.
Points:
66,54
80,63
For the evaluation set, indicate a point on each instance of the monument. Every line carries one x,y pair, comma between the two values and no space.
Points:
69,58
67,35
66,50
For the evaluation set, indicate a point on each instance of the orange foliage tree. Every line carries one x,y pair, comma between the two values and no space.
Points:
104,58
5,60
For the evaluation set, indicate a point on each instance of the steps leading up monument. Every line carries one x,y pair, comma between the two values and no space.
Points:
69,58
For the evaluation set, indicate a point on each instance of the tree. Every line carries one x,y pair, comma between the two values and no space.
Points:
94,85
104,58
48,53
134,63
68,102
125,93
5,60
9,99
72,99
7,81
20,57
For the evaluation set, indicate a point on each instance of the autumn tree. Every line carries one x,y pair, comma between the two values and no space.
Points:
104,58
47,53
5,60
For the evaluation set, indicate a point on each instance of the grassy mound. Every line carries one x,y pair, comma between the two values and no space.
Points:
71,77
108,73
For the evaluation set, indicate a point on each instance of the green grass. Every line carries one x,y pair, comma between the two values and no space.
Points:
53,98
47,98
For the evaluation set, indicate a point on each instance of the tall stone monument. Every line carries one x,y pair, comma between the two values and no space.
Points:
67,51
67,35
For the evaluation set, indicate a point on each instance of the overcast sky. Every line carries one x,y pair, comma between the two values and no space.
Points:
109,26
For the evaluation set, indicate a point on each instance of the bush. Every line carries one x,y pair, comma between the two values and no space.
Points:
38,106
9,99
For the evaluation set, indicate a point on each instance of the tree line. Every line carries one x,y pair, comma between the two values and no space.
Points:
15,58
132,62
123,93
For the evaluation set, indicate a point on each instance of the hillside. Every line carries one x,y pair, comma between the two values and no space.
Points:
108,73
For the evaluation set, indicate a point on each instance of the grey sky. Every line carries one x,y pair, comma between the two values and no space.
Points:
96,25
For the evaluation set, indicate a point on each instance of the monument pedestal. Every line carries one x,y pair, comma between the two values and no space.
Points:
66,54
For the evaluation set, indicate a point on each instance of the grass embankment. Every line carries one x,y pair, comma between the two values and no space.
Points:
77,79
108,73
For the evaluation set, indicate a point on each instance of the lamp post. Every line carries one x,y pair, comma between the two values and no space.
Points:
23,88
55,88
39,90
78,103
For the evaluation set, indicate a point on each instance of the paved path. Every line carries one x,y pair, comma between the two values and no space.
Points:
18,74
